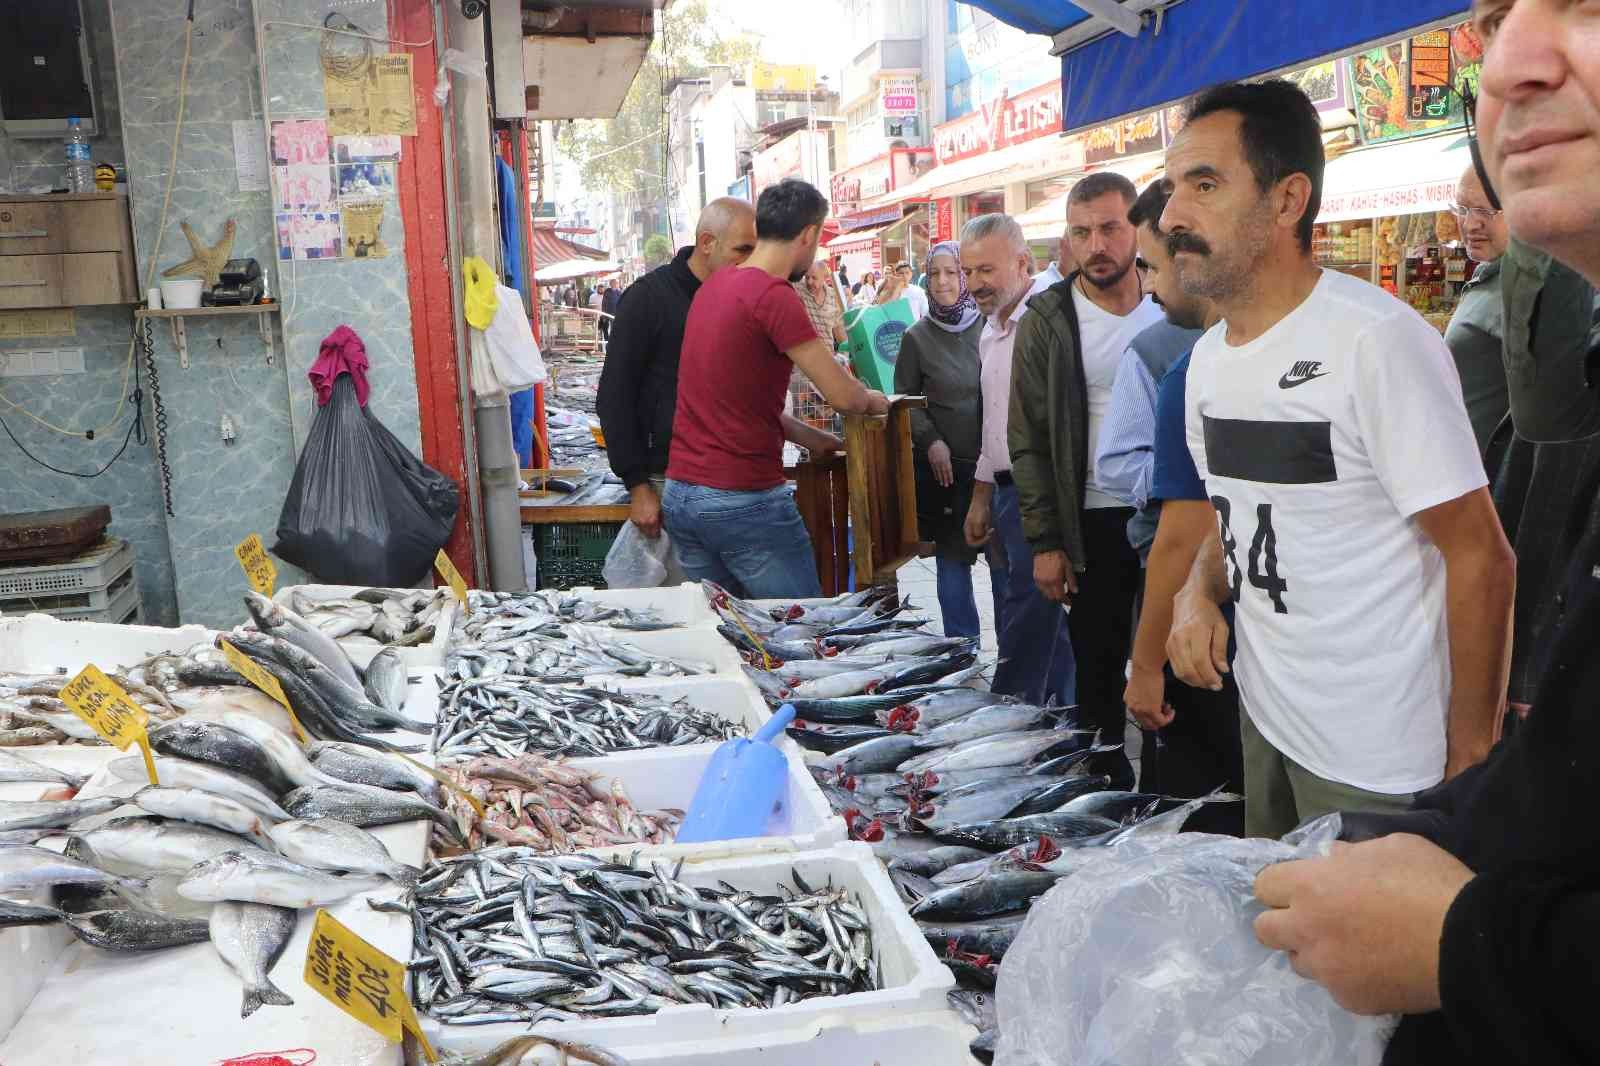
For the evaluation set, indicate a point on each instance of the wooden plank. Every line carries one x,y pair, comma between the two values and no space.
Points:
839,492
901,454
858,450
558,516
199,312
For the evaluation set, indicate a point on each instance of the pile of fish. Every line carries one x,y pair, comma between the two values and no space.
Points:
243,831
403,618
504,936
31,711
539,636
546,805
589,490
500,715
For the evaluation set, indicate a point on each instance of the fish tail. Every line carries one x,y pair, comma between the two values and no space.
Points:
256,998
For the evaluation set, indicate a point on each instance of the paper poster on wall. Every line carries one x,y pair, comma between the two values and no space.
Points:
299,141
309,235
250,155
364,180
304,187
363,230
380,100
367,149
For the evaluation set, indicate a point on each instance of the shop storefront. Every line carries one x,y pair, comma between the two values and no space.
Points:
876,230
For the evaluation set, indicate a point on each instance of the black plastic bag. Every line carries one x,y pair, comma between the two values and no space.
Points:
362,510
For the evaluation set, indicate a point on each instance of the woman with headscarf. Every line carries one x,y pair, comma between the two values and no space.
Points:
939,359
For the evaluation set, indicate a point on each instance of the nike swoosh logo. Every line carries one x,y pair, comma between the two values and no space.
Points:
1286,382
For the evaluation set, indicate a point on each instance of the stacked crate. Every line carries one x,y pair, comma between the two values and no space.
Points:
96,586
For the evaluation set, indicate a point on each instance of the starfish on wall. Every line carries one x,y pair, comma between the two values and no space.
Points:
204,262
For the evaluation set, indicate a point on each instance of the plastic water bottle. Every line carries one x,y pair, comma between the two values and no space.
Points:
80,168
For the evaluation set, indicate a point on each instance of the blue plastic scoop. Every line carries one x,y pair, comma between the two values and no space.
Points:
744,791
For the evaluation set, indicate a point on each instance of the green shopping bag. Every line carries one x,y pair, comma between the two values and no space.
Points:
874,338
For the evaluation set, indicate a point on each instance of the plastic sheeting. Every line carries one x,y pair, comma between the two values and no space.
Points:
1148,956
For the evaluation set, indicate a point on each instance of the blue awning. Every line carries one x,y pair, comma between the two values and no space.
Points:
1203,42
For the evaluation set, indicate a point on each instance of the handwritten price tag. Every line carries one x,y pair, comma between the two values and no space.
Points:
110,711
254,673
452,576
257,567
361,981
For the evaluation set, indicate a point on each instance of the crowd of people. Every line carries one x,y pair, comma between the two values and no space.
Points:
1320,554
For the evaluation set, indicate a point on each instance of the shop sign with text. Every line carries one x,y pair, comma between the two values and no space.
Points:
899,94
1008,121
864,182
1131,136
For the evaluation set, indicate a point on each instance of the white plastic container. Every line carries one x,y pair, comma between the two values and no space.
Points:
682,605
37,643
915,982
425,656
937,1038
666,778
697,647
181,294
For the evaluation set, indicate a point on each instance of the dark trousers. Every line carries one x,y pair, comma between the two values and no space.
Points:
1035,654
1198,753
1101,622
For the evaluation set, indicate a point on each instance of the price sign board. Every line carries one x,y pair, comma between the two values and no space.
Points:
257,675
361,981
257,567
110,711
452,576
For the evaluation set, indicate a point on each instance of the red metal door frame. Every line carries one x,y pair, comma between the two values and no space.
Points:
427,242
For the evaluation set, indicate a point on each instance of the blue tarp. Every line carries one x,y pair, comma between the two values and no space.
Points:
1206,41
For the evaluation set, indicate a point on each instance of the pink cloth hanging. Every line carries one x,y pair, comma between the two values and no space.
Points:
342,353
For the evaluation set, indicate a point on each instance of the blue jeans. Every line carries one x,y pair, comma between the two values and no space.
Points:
754,544
956,602
1036,661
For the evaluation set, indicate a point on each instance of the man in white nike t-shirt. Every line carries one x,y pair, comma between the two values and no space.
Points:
1372,580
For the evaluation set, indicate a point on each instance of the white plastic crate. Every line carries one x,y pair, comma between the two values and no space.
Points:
915,982
96,568
666,778
125,609
77,1004
425,656
682,605
700,647
38,643
936,1038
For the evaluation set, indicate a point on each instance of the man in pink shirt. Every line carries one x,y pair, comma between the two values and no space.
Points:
1035,653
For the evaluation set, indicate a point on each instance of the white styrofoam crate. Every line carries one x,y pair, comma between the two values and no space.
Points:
703,647
79,1004
666,779
36,643
935,1038
915,982
429,655
682,605
732,698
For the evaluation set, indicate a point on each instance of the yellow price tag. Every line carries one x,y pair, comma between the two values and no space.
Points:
361,981
257,567
448,571
254,673
110,711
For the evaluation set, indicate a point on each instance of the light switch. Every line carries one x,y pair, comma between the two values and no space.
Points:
44,361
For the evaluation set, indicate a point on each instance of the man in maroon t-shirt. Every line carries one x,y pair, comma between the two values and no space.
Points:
731,513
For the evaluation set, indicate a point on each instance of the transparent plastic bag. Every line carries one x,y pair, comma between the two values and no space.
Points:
1148,956
637,562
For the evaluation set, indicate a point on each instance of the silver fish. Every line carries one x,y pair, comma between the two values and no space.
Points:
1004,749
361,765
135,930
251,937
157,846
255,876
15,768
24,868
365,808
329,844
386,680
16,815
204,808
279,621
984,722
185,773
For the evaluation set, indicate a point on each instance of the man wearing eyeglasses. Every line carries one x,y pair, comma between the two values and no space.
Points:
1476,332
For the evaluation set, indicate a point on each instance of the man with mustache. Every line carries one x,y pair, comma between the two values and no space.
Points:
1068,349
1035,655
1370,577
1482,930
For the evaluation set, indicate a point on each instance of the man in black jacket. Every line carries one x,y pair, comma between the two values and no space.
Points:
639,385
1479,916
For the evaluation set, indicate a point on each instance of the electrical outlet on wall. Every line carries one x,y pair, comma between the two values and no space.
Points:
41,362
